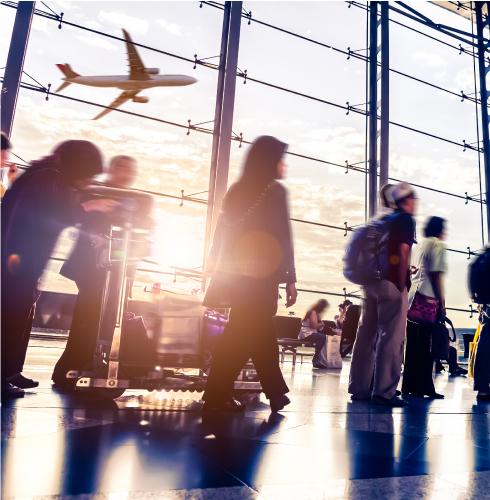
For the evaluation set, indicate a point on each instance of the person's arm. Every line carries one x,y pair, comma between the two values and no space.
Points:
437,286
404,266
286,239
315,321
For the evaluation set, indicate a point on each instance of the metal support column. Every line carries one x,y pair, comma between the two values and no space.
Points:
385,96
483,29
15,63
225,103
373,112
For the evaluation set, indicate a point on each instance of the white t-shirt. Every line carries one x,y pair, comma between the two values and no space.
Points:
4,179
431,258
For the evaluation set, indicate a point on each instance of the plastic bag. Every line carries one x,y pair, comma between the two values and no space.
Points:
330,354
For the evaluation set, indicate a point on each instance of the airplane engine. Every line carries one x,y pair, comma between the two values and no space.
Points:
152,71
140,98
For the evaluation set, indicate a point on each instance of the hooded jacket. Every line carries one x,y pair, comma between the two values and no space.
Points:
253,237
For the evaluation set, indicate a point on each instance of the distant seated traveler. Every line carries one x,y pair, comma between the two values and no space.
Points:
39,205
312,329
378,350
252,254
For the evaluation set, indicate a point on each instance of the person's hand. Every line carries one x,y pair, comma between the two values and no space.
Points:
291,294
104,205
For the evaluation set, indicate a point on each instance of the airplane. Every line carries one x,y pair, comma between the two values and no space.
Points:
139,78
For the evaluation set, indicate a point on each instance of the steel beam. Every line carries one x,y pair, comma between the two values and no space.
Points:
373,111
385,96
223,120
217,127
15,63
482,23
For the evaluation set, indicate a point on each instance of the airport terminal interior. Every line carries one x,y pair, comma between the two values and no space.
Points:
356,136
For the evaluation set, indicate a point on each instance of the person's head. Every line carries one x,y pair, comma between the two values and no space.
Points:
385,197
5,151
404,197
435,227
319,307
346,304
78,161
122,171
264,162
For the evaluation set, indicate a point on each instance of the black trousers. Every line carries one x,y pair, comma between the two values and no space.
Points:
249,334
19,295
417,371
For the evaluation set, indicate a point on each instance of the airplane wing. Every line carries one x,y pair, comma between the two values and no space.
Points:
118,101
136,66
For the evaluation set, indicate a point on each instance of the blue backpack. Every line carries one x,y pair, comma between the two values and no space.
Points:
366,255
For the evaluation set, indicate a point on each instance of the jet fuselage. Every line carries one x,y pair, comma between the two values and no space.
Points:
126,83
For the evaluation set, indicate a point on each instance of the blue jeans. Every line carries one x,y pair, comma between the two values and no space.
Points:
482,358
319,339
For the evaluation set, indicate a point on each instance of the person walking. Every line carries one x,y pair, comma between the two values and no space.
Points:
81,267
252,254
39,205
427,293
378,350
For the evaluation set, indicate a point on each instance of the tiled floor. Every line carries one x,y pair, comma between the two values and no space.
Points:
322,446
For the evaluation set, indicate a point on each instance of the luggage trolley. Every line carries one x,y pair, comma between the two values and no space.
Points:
175,351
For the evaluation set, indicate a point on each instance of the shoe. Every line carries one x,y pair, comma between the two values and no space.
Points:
439,367
319,366
229,406
458,372
398,393
355,397
9,391
483,397
23,382
435,395
394,402
279,402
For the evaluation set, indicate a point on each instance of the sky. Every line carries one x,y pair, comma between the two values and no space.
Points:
169,160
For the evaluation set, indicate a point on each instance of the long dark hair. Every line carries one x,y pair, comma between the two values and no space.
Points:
259,170
318,307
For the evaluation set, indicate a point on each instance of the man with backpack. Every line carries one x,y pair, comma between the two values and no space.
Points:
378,258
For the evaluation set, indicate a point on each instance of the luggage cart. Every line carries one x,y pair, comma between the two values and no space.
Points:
177,353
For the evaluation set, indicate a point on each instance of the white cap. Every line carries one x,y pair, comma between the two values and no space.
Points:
401,191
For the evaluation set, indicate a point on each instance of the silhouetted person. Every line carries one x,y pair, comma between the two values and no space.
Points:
82,267
378,350
252,254
39,205
427,283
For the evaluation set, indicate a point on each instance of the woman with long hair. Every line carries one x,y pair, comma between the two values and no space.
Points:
252,254
313,329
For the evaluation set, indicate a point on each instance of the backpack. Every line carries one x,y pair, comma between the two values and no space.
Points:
479,278
366,255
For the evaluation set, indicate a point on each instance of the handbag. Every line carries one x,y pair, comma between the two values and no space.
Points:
472,356
441,339
423,309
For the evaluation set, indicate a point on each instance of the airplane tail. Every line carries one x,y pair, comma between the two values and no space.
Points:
67,70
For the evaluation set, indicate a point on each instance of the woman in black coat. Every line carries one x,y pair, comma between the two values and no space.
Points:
252,254
39,205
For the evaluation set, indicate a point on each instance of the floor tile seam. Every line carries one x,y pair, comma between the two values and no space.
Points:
424,442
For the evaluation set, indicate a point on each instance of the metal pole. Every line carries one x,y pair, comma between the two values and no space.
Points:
15,63
228,107
483,68
385,96
217,127
373,98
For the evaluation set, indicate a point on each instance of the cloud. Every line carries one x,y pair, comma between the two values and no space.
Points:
99,42
171,28
430,60
133,24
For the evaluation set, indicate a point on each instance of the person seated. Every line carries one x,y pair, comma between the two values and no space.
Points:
314,330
